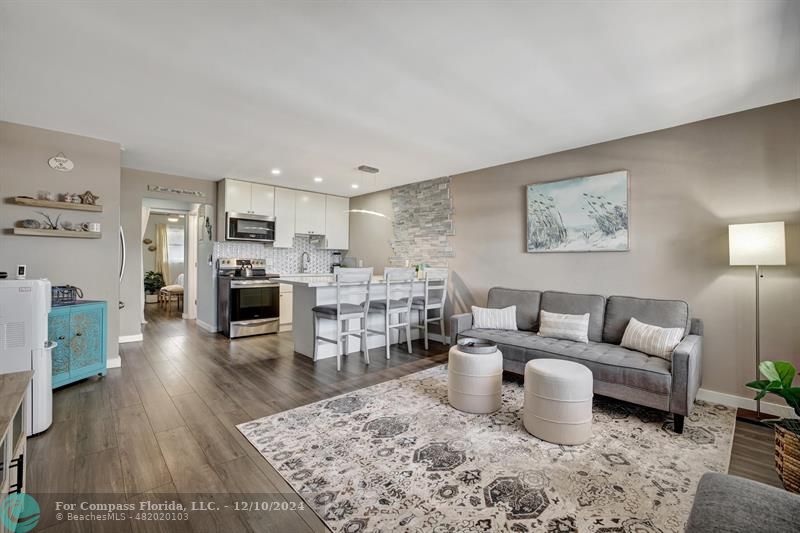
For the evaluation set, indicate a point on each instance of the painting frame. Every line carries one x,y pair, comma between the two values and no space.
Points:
595,239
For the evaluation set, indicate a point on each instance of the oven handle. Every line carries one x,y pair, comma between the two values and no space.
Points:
252,284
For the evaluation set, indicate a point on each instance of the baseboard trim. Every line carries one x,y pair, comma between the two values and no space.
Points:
130,338
732,400
114,362
207,327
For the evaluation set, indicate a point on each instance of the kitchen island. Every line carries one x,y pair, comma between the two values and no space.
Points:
319,289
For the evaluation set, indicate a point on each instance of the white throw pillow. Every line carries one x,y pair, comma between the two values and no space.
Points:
483,318
568,327
650,339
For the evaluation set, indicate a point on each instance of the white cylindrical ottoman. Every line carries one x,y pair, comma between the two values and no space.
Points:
558,401
474,381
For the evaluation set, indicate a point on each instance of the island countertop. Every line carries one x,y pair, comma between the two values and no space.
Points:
322,280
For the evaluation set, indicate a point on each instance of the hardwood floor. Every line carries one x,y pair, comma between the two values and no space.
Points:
164,425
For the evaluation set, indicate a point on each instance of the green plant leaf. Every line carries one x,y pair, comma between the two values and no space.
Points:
761,394
761,384
768,370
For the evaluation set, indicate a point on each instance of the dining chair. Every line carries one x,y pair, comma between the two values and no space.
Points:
352,303
399,293
433,298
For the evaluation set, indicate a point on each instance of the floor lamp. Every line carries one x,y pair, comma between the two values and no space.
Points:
761,244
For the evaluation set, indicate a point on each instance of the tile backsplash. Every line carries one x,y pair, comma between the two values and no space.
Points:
279,260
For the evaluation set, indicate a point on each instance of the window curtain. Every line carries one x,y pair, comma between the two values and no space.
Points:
162,252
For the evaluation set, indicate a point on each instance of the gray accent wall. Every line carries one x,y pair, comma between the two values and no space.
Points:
687,184
91,264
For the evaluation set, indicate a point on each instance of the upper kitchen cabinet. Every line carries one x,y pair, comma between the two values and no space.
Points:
337,223
284,217
309,217
244,197
263,199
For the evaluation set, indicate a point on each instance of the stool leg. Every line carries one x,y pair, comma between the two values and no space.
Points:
316,336
441,322
364,348
388,333
346,337
408,331
338,344
424,314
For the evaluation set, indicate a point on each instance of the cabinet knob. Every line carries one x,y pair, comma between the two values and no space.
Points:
78,334
61,338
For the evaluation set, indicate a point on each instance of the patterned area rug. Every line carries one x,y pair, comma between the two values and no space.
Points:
397,457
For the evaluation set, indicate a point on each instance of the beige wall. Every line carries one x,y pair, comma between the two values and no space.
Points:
133,190
90,264
370,235
687,184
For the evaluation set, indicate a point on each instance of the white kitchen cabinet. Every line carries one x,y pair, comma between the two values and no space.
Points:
284,218
245,197
337,223
237,196
262,199
309,214
286,296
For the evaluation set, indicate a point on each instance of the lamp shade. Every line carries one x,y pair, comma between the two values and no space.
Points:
763,243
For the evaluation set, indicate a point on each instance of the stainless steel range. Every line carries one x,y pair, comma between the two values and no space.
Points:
248,300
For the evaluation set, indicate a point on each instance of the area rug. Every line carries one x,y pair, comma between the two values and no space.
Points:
397,457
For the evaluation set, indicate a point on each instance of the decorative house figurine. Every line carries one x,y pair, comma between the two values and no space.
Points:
88,198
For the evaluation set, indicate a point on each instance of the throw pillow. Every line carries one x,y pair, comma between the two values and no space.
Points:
568,327
652,340
483,318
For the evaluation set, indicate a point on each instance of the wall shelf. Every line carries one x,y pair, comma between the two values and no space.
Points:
57,233
57,205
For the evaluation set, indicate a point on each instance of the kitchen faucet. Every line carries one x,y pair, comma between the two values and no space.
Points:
305,262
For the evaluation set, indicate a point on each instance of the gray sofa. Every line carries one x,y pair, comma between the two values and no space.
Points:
618,372
730,504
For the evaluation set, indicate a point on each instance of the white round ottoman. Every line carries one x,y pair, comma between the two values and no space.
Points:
474,381
558,401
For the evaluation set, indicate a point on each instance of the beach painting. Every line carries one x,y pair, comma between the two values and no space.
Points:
586,214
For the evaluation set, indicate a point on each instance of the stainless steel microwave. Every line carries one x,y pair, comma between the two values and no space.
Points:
249,227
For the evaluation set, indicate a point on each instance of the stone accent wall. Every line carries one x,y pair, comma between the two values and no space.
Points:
422,222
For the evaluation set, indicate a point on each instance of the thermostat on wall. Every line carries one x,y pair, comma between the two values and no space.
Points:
22,271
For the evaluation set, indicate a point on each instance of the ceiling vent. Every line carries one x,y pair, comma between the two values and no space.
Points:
368,169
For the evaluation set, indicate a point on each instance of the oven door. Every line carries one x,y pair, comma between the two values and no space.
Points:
254,308
248,227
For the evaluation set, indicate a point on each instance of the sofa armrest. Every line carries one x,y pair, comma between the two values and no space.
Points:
459,324
687,369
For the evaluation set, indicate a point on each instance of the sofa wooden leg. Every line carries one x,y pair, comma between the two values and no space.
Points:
677,423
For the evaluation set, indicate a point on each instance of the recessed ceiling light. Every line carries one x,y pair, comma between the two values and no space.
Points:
355,185
318,179
276,171
172,219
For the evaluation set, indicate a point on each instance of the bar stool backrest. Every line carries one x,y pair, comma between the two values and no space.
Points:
352,286
436,286
399,284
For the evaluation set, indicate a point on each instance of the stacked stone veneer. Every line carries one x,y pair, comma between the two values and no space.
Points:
422,222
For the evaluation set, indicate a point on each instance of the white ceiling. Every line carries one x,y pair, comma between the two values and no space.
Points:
418,89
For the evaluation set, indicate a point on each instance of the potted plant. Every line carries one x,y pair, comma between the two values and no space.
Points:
153,281
779,379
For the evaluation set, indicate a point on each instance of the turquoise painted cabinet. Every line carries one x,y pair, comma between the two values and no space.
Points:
80,331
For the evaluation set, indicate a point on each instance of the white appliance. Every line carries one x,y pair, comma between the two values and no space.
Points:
24,306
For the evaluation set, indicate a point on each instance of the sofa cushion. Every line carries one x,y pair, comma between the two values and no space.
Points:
662,313
608,362
577,304
527,303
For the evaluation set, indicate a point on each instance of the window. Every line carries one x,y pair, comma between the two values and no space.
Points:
175,245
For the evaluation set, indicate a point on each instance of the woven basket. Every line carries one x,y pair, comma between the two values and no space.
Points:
787,458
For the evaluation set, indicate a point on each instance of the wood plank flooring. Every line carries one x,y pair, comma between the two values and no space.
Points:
165,422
